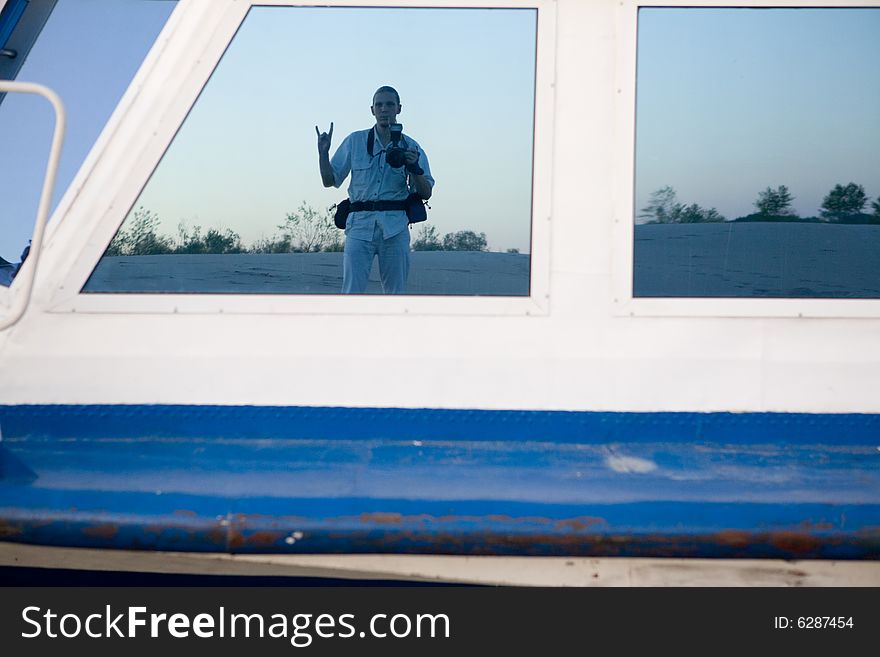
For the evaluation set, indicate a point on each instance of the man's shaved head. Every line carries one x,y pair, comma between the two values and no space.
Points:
387,89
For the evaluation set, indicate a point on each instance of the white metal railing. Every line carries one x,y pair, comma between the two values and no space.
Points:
24,280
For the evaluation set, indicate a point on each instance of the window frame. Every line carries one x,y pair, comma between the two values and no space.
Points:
166,91
623,260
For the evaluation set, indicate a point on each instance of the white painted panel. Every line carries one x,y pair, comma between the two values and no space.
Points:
583,344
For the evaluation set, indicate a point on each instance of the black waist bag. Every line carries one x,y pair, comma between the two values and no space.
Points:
415,209
413,206
343,209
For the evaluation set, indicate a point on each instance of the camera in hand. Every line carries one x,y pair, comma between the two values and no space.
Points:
395,156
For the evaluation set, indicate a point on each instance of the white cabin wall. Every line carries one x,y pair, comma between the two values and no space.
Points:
582,354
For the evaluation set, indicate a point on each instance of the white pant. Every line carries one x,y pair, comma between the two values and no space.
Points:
357,260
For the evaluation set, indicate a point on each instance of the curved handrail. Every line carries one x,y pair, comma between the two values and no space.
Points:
28,269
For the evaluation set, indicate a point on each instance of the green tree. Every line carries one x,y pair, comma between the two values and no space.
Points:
308,229
465,240
213,241
663,207
694,214
842,202
144,239
117,244
335,243
217,242
876,215
274,245
775,202
189,242
137,236
427,239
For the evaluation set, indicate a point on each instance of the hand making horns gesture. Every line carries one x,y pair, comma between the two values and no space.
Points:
324,139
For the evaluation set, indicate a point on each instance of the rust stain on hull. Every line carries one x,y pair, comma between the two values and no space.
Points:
579,524
107,532
383,518
795,543
734,538
258,539
10,530
388,532
576,524
726,544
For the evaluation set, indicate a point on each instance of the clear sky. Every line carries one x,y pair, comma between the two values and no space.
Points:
247,155
731,101
88,53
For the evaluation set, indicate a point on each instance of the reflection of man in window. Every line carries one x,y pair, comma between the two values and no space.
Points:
377,225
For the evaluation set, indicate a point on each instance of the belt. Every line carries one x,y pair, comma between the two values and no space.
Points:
377,206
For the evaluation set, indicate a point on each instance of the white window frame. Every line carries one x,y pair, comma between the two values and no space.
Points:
156,105
623,302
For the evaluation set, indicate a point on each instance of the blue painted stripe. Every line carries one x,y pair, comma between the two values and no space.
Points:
259,479
331,423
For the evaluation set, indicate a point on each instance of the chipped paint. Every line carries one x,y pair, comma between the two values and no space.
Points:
578,524
383,518
630,464
10,530
106,532
239,539
590,537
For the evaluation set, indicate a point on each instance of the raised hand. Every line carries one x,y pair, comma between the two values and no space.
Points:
324,139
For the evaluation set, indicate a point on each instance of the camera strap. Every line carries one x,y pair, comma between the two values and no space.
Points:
371,141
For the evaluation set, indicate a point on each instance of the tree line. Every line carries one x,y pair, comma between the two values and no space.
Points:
843,204
306,230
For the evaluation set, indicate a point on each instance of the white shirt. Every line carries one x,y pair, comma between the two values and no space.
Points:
372,179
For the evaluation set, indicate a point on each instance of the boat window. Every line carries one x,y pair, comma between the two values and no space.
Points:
239,204
87,51
757,153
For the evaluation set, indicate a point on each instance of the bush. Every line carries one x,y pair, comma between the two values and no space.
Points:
775,202
427,239
305,231
137,236
790,218
694,214
465,240
336,243
664,208
213,242
858,218
309,230
273,245
844,203
661,207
